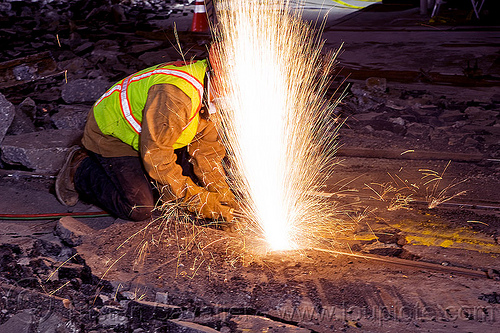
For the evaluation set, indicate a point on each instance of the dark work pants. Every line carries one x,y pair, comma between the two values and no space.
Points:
119,184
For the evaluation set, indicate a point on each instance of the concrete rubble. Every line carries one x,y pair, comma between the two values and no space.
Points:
24,119
22,322
42,151
111,308
92,62
88,62
71,231
7,114
187,327
81,91
71,117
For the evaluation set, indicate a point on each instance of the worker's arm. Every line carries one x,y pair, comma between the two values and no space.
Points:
207,153
166,112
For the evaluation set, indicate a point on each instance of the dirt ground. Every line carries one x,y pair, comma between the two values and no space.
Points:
394,261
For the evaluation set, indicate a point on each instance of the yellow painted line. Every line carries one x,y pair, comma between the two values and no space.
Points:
434,233
358,237
340,2
365,237
464,244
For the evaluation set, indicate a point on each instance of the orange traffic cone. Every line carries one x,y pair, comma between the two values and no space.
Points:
200,20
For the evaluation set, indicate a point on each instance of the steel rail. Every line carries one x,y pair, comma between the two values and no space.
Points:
411,263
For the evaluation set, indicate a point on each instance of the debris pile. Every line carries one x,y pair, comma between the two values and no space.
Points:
33,273
379,117
59,57
86,303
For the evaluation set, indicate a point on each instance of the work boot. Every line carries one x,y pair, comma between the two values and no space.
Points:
65,185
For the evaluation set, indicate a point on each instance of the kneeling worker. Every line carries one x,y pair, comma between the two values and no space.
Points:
155,125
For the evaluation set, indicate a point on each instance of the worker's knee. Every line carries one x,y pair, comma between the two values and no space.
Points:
142,203
140,213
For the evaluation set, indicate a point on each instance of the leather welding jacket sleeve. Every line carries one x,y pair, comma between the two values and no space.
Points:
207,153
165,114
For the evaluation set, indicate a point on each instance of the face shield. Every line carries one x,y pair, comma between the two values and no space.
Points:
210,96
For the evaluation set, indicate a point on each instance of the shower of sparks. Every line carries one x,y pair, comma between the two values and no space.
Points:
277,125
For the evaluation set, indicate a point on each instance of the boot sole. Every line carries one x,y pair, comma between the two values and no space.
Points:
65,195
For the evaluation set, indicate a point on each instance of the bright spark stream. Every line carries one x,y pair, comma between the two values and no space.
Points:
277,124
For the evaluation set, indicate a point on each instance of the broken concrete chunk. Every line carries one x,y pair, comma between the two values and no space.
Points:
247,323
21,124
42,247
22,322
43,151
384,125
144,47
118,13
24,73
369,116
161,298
82,90
7,113
70,271
84,48
71,116
71,231
128,295
5,7
138,330
477,113
188,327
108,56
418,131
450,116
54,324
113,320
28,107
376,84
76,68
49,95
399,121
152,310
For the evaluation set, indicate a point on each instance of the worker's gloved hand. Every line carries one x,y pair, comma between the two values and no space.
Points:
227,197
205,203
208,205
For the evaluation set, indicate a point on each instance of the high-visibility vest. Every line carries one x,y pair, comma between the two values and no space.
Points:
119,111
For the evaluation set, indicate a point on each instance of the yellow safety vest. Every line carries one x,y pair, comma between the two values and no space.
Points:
119,111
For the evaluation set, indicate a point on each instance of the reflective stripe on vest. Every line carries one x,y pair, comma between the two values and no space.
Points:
188,79
125,104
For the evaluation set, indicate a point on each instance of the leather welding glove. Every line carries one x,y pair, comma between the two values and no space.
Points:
226,195
205,203
228,198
